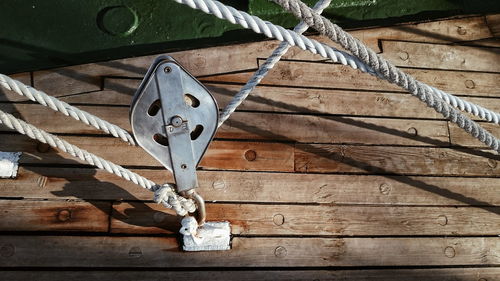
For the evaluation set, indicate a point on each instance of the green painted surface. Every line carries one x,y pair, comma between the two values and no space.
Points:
39,34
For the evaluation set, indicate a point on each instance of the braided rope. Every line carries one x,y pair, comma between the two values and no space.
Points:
388,70
273,31
65,108
265,67
163,194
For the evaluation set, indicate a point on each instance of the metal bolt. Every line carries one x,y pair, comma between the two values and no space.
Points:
250,155
413,131
280,252
167,69
135,252
176,121
469,84
278,219
7,250
461,30
64,215
219,184
385,188
184,166
404,55
449,252
442,220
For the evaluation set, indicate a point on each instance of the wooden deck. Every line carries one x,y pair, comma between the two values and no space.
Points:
324,173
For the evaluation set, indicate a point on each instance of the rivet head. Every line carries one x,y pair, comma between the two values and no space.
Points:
219,184
64,215
412,131
280,252
42,147
278,219
449,252
135,252
469,84
492,163
403,55
159,217
442,220
250,155
7,250
385,188
461,30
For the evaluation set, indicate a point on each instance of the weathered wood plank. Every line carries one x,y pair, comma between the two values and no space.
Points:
284,99
438,56
398,160
90,184
85,78
429,274
199,62
264,126
493,22
249,219
462,138
162,252
305,74
24,215
442,31
255,156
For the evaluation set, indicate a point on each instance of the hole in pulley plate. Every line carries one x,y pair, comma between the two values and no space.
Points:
160,139
191,100
196,132
154,108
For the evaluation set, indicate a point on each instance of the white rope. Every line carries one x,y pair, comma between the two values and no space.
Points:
277,32
421,90
163,194
65,108
265,67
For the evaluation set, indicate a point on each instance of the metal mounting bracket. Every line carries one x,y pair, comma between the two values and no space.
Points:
174,118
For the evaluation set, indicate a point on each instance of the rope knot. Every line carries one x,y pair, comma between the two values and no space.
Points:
165,195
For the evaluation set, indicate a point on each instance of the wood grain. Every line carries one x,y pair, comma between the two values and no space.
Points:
293,100
267,220
429,274
220,155
493,22
305,75
263,126
451,30
163,252
226,186
395,160
25,215
438,56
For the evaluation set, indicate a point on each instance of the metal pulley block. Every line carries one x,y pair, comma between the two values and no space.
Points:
174,118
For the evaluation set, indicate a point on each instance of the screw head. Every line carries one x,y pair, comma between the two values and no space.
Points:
176,121
167,69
